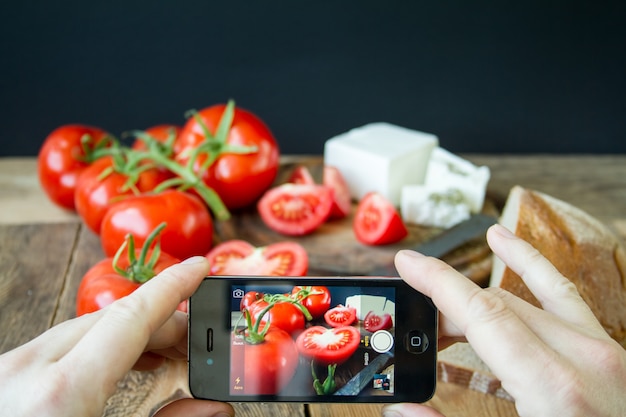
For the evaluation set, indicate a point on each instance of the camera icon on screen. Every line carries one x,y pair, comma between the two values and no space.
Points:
238,293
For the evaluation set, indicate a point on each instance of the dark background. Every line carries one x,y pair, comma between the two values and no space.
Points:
485,76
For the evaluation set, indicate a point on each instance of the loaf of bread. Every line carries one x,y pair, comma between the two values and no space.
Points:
580,247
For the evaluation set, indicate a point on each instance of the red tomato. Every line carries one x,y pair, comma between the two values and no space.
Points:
250,298
162,133
269,365
340,316
301,175
342,202
373,322
189,229
377,222
283,315
295,209
62,158
316,299
101,285
328,346
99,186
238,257
239,179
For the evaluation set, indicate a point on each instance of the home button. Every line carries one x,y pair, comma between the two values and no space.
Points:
416,341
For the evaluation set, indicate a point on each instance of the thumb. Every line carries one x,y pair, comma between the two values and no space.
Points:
190,407
410,410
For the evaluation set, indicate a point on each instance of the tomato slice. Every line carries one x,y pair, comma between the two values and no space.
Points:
301,175
374,322
340,316
295,209
328,346
377,222
238,257
342,202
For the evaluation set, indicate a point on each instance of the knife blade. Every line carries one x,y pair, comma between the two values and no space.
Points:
450,239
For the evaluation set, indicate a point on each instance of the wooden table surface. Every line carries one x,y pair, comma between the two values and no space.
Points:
44,251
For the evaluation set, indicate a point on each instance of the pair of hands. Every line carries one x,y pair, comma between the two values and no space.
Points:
555,361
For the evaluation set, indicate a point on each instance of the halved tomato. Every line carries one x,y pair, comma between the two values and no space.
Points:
295,209
342,202
328,346
238,257
340,316
374,322
377,222
301,175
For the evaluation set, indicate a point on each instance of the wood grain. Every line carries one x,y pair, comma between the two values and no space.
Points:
34,260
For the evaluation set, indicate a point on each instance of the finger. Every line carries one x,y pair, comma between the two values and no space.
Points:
555,332
554,292
190,407
149,361
497,335
172,333
409,410
54,343
113,345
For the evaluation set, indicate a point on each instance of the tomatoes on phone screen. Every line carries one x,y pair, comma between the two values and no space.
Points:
295,209
316,299
102,284
377,222
65,153
374,322
238,178
284,315
328,346
340,316
269,365
189,229
238,257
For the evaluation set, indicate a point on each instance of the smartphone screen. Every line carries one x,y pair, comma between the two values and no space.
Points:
311,340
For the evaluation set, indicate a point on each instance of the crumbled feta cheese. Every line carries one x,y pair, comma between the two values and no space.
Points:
448,171
430,206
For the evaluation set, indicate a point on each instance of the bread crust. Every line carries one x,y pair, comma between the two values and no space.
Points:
579,246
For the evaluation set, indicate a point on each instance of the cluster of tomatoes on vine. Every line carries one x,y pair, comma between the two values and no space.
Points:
164,191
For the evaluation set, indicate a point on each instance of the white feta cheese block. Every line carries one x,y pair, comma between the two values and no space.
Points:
449,171
429,205
363,304
380,157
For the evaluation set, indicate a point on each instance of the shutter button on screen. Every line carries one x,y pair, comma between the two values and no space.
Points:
416,341
381,341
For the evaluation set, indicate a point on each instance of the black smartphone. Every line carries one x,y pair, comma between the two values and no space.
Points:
311,339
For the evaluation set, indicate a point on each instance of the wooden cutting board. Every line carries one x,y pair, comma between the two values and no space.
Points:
334,246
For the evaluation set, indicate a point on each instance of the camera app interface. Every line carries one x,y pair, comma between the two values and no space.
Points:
312,340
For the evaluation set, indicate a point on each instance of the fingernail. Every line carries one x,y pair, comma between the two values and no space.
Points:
194,260
410,253
221,414
503,231
388,412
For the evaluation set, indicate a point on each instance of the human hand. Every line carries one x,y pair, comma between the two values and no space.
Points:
555,361
73,368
